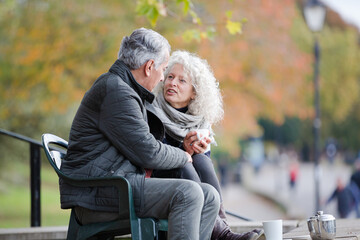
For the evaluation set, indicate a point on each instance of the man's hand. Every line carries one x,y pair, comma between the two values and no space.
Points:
189,157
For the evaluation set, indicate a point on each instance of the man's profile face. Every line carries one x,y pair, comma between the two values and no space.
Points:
157,75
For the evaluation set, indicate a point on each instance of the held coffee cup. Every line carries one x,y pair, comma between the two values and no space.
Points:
201,133
273,229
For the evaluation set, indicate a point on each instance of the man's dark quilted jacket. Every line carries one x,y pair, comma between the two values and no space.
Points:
110,136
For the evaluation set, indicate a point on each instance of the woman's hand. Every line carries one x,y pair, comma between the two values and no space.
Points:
189,141
193,145
201,146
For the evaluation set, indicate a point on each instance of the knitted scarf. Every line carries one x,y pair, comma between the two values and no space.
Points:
177,124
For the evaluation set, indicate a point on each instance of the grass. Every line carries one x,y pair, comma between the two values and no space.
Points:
15,197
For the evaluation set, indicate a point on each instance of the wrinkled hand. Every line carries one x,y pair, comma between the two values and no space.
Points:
189,140
201,146
193,145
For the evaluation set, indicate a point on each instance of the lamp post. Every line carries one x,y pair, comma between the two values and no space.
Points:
314,13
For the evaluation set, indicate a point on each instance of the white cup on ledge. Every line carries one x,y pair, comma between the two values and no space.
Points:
273,229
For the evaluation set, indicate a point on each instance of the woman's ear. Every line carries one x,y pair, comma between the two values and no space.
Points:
193,95
148,67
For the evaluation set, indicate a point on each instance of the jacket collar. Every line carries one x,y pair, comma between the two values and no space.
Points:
119,68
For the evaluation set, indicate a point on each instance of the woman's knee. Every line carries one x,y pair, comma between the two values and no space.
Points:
200,157
201,161
189,172
204,167
211,195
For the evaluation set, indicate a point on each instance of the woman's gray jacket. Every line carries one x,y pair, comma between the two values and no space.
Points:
110,136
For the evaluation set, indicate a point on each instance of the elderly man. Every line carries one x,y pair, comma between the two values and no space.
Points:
110,136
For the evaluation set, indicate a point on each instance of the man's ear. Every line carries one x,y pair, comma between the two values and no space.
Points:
148,67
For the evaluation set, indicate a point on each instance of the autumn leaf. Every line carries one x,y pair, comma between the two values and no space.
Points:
233,27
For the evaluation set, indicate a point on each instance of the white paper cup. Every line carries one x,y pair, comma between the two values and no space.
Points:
273,229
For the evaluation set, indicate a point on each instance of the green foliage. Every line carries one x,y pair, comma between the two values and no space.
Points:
52,51
288,133
186,5
339,80
151,9
197,35
340,73
43,70
347,133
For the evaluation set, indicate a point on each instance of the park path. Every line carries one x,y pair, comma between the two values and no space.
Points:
267,195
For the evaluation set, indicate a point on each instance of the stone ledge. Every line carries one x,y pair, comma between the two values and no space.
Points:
59,233
33,233
288,225
39,233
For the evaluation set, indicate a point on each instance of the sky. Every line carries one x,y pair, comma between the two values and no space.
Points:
349,10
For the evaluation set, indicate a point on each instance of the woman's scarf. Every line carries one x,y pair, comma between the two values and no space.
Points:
178,124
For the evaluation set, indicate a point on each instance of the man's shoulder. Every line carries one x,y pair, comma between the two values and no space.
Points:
117,90
114,83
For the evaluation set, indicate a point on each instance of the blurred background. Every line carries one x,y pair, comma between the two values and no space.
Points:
278,145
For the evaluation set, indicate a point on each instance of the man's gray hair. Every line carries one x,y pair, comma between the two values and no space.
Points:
141,46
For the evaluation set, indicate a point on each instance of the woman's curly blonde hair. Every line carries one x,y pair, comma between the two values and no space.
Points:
208,100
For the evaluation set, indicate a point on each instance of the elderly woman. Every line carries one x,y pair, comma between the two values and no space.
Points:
189,102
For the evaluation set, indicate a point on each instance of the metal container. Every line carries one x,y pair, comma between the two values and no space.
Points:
322,226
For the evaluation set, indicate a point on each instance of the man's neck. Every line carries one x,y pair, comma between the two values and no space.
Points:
136,73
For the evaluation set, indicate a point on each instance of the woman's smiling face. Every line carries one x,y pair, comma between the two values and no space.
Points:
178,88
